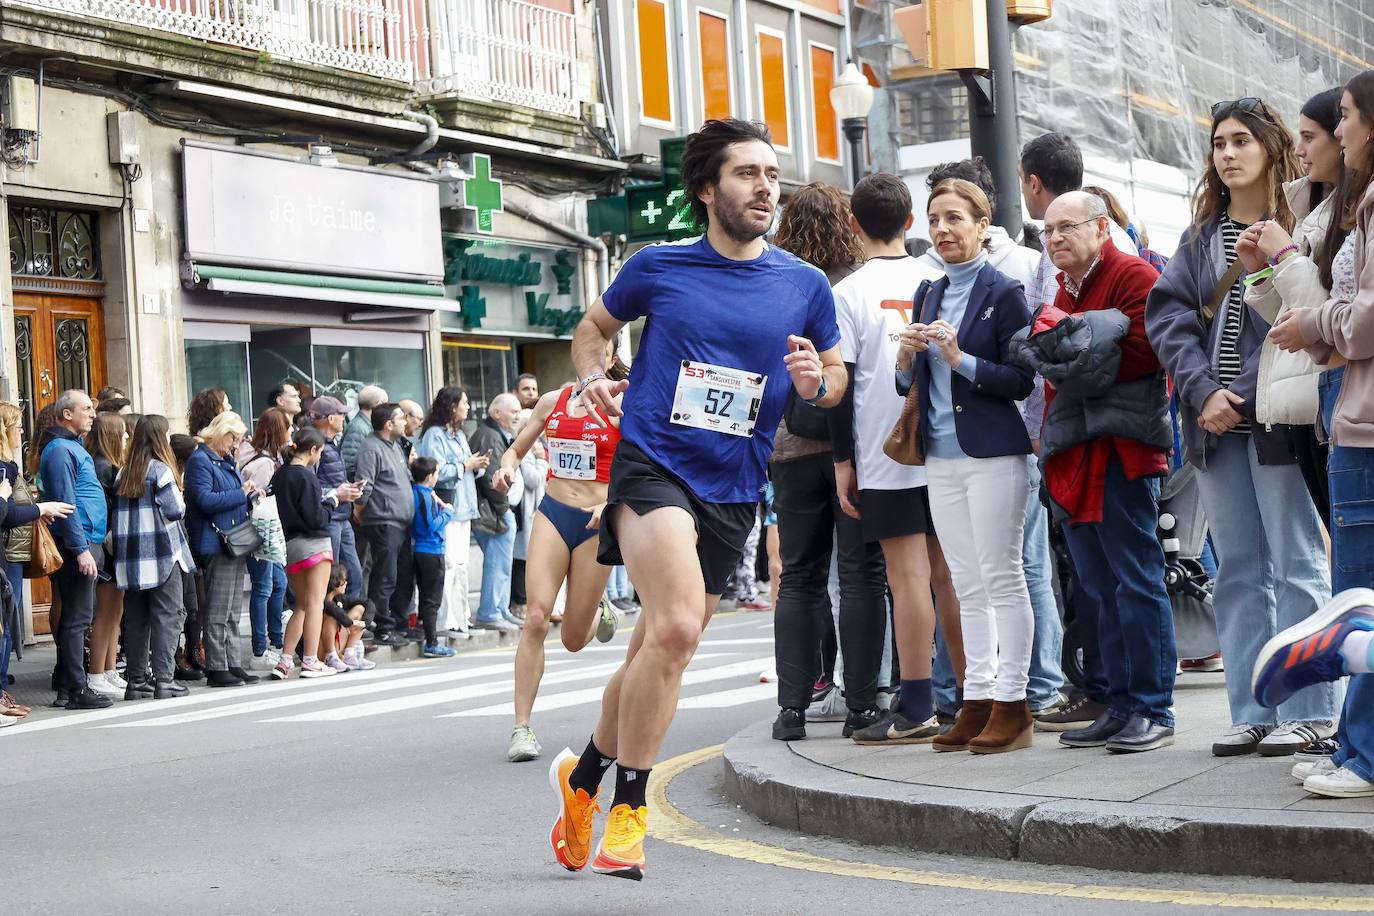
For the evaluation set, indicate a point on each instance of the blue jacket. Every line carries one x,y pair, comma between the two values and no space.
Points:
66,474
451,451
214,498
986,418
1189,351
428,525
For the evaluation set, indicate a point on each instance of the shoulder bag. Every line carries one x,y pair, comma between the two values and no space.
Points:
19,547
46,559
903,444
241,540
1223,289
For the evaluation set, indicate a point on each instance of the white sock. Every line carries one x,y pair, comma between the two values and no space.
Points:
307,660
1358,651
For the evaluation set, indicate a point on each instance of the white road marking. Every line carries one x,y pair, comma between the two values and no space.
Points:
592,694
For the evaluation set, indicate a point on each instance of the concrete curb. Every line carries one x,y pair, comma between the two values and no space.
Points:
788,791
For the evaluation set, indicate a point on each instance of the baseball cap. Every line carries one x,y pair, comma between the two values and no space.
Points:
326,406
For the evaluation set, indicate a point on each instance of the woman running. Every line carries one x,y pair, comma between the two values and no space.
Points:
563,543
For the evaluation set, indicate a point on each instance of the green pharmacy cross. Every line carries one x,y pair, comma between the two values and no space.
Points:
482,195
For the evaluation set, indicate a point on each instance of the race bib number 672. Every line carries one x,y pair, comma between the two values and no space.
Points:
718,398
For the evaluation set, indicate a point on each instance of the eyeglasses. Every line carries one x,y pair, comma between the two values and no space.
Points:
1249,105
1068,230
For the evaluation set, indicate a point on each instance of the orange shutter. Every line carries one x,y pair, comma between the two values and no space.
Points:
827,132
773,86
655,90
830,6
713,36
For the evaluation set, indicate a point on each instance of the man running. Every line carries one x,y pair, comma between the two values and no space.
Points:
731,320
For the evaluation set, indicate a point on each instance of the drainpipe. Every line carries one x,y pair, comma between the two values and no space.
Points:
431,132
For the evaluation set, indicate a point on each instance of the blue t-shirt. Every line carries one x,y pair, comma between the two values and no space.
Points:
704,307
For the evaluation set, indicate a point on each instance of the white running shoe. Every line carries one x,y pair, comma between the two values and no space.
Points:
266,661
1313,768
316,668
114,678
97,684
1341,783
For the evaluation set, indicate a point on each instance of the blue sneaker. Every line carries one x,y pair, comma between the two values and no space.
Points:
1309,653
437,651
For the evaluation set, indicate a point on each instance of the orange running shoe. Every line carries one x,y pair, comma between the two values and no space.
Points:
621,853
571,834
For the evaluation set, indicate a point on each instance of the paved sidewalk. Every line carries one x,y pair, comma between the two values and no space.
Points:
1175,809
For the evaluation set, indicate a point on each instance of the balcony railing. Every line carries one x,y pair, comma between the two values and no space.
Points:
383,38
506,51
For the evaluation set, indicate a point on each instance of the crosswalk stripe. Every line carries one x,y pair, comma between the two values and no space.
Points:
125,709
705,644
592,694
416,701
722,699
275,703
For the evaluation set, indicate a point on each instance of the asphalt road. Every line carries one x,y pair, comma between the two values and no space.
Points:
389,792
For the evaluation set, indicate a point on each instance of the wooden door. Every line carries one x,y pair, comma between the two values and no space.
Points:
59,343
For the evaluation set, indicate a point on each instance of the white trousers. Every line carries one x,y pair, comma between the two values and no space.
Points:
979,509
454,610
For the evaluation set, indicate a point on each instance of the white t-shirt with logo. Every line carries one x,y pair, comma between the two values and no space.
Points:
873,305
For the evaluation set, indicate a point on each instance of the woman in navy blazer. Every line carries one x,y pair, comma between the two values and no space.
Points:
975,444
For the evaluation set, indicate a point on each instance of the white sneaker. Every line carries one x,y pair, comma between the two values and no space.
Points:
97,684
831,708
1291,737
1313,768
316,668
114,678
266,661
1341,783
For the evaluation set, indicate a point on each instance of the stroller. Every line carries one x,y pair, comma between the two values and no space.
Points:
1182,531
1183,534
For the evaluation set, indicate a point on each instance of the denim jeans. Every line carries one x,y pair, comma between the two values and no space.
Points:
15,573
1272,571
345,545
618,585
1352,543
265,603
1120,565
1046,674
498,550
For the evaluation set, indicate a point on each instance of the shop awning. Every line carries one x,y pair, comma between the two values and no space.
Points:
248,281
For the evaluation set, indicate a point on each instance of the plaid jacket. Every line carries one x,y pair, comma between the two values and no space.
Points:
149,534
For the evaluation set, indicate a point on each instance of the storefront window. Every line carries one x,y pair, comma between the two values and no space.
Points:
482,367
343,371
219,364
275,360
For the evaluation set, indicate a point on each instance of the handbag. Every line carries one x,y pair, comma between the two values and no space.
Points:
241,540
46,559
19,547
903,444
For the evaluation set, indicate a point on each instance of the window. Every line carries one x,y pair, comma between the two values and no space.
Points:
772,55
825,128
655,64
483,367
220,364
713,38
342,371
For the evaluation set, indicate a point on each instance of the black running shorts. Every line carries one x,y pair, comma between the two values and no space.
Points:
643,486
895,513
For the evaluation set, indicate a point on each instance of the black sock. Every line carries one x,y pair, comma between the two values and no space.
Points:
591,766
917,702
630,785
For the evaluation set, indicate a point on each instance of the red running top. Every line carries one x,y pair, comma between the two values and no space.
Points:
578,448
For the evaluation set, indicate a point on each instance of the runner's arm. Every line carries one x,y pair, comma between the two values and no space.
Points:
529,433
597,328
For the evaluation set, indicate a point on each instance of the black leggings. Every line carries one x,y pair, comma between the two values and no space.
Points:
810,521
1312,457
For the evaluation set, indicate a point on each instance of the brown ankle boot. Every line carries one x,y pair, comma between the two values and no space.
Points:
1008,729
969,724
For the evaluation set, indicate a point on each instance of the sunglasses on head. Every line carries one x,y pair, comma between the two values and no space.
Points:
1249,104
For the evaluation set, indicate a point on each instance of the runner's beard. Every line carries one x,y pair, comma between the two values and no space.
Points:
735,222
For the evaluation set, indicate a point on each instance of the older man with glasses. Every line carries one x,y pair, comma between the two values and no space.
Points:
1104,448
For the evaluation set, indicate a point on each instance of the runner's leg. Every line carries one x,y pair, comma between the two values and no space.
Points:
586,586
544,574
660,553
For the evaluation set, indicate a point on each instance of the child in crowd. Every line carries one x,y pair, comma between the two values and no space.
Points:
343,620
431,516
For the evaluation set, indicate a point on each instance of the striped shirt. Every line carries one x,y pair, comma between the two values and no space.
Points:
1229,360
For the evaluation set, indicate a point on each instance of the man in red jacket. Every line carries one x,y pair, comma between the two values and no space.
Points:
1109,486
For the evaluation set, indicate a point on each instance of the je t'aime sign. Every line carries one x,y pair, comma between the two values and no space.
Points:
275,212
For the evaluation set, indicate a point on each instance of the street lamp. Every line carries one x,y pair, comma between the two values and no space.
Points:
852,98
